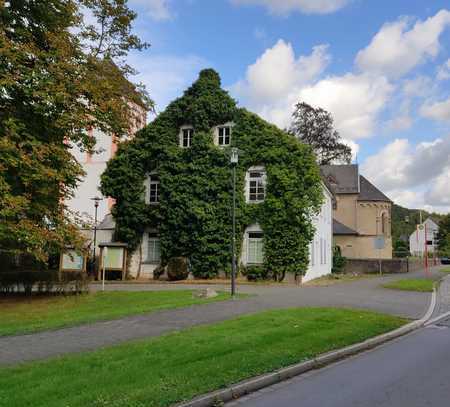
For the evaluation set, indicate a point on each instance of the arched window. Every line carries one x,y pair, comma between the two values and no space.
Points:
384,224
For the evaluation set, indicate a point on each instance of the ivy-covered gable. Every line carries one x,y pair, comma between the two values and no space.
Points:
193,216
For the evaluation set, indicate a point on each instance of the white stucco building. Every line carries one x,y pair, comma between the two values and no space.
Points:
425,236
95,164
321,248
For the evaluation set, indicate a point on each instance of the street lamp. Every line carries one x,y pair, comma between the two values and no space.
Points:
234,161
96,203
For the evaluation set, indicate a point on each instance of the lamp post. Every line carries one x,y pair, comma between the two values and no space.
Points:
234,161
96,203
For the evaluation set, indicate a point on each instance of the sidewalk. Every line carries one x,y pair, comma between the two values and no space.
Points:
365,294
443,298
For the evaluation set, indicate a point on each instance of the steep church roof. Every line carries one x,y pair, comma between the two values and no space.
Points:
369,192
345,179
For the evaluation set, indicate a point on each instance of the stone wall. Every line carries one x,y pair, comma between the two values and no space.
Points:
360,266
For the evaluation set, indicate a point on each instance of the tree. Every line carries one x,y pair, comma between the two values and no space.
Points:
444,236
58,78
315,127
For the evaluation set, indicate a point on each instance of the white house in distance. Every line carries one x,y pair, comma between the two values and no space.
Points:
424,235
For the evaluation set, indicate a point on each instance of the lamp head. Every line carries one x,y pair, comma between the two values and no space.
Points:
234,158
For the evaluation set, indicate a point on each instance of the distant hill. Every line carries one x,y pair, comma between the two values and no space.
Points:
404,221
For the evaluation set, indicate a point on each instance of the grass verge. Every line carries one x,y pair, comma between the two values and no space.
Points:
445,270
420,285
181,365
24,315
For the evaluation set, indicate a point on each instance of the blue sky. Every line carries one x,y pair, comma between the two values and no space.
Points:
382,68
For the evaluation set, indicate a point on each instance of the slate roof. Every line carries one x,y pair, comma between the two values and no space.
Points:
369,192
345,179
342,178
340,229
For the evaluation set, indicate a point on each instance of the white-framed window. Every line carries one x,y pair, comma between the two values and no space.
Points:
186,135
153,248
256,184
153,189
255,248
222,134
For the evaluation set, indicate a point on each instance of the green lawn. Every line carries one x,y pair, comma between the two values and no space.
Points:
411,285
24,315
445,270
179,366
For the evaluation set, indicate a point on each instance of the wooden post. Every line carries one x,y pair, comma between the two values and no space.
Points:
124,264
100,263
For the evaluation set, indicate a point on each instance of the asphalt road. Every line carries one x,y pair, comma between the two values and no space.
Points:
413,371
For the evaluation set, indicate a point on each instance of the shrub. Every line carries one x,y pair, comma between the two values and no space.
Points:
177,269
255,273
43,282
338,260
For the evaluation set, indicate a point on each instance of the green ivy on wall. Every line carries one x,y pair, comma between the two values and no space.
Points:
194,214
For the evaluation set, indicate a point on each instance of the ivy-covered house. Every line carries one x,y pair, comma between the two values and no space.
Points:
172,186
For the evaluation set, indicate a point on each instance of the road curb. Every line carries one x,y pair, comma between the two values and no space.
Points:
257,383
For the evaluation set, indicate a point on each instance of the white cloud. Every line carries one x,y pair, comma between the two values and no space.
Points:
438,193
398,47
156,9
399,123
285,7
354,100
443,72
261,87
166,76
278,80
437,111
405,172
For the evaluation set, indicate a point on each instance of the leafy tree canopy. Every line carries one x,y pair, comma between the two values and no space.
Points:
194,217
58,78
444,236
315,127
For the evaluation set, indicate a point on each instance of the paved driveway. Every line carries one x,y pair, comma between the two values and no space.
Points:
365,294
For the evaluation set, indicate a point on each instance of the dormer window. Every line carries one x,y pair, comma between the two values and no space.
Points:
186,134
256,184
222,135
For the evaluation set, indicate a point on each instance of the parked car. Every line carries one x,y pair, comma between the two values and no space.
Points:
445,260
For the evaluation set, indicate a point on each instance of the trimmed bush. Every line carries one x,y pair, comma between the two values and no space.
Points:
255,273
43,282
177,269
